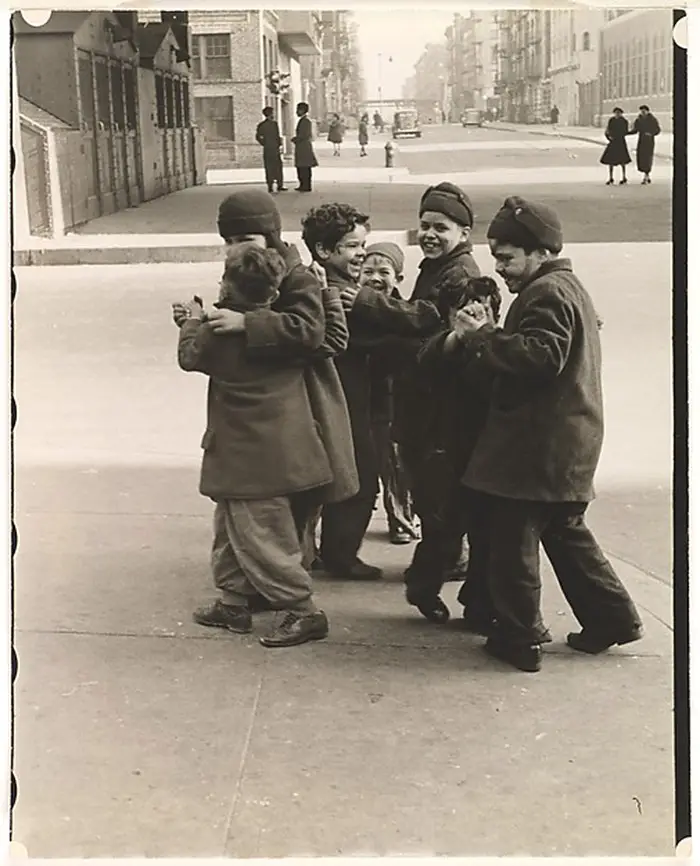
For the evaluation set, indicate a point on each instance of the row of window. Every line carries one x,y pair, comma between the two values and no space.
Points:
172,101
563,43
214,115
211,56
631,70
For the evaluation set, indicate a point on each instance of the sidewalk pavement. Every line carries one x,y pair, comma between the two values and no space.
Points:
664,141
139,733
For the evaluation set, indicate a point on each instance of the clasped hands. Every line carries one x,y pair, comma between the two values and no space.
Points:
221,321
469,319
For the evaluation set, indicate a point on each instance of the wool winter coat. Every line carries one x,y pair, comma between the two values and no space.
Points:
336,132
296,328
431,271
268,136
363,133
647,127
616,152
261,439
304,156
544,430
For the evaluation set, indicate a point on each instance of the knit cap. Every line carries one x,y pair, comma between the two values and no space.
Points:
390,251
524,224
248,211
448,199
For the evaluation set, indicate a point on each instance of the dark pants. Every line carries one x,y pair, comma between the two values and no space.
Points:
516,527
273,170
304,175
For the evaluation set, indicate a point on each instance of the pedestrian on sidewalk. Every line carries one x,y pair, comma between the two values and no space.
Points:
646,127
616,152
382,271
455,393
336,133
261,446
363,134
301,324
304,156
535,460
554,117
335,235
268,136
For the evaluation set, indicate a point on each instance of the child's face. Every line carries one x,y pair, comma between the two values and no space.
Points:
258,240
378,273
439,234
349,253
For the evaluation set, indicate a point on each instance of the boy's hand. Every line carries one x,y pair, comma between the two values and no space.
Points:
469,319
179,314
319,273
193,309
348,296
226,322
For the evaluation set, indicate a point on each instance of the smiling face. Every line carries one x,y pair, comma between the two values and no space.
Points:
439,234
348,255
378,274
514,265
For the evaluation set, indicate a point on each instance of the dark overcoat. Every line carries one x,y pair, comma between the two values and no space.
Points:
261,439
295,328
647,127
431,271
544,430
616,152
336,132
304,156
363,133
268,136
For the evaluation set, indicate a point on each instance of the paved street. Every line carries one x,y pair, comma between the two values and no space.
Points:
394,736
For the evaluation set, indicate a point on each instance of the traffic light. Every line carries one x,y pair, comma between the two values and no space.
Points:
278,82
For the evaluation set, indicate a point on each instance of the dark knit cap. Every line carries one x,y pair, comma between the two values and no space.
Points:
527,224
249,211
450,200
390,251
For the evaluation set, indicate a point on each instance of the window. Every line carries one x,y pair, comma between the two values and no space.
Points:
169,105
217,56
214,115
196,58
586,41
177,95
130,94
160,101
115,74
573,43
87,93
102,87
185,102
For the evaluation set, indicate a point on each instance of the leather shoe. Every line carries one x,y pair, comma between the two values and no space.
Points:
433,609
295,629
595,644
358,570
525,658
220,615
399,535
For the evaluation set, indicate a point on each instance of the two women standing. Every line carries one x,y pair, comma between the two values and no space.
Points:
646,126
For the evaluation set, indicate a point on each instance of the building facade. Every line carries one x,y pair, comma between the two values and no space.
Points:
105,116
234,53
524,62
575,69
431,83
637,63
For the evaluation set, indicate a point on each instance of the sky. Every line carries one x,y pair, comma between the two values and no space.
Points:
400,34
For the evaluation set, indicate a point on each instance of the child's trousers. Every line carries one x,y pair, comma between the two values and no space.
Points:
256,550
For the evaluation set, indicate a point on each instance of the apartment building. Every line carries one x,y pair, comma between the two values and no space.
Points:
524,51
575,64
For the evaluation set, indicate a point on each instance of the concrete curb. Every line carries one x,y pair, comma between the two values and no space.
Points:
322,174
572,136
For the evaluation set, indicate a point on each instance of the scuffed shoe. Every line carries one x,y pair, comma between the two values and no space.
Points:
521,656
296,629
433,609
358,570
400,535
219,615
477,623
595,644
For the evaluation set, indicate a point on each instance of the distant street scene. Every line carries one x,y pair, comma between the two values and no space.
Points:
220,655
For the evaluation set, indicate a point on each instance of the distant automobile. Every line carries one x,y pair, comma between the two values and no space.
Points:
472,117
406,123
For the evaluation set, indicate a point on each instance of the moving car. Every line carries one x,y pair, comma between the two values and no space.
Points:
406,123
472,117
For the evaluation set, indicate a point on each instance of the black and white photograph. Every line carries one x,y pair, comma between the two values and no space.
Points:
344,446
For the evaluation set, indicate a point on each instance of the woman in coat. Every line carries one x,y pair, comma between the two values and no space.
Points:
647,127
363,134
336,131
616,152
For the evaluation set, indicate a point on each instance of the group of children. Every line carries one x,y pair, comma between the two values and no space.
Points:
322,381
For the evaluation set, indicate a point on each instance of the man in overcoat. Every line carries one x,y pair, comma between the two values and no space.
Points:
534,463
268,136
304,156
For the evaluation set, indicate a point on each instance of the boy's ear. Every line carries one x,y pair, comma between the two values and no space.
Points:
321,252
466,231
399,278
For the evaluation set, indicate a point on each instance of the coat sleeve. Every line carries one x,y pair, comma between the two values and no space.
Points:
394,315
193,346
259,137
337,333
296,325
538,350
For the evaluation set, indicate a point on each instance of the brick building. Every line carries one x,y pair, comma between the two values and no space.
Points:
524,51
233,53
104,116
637,62
575,65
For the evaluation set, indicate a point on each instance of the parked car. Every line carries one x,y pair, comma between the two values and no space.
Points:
472,117
406,123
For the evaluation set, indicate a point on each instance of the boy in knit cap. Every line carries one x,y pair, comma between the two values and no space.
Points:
533,465
261,446
382,271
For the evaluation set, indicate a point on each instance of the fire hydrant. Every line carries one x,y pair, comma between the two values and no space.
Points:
389,149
